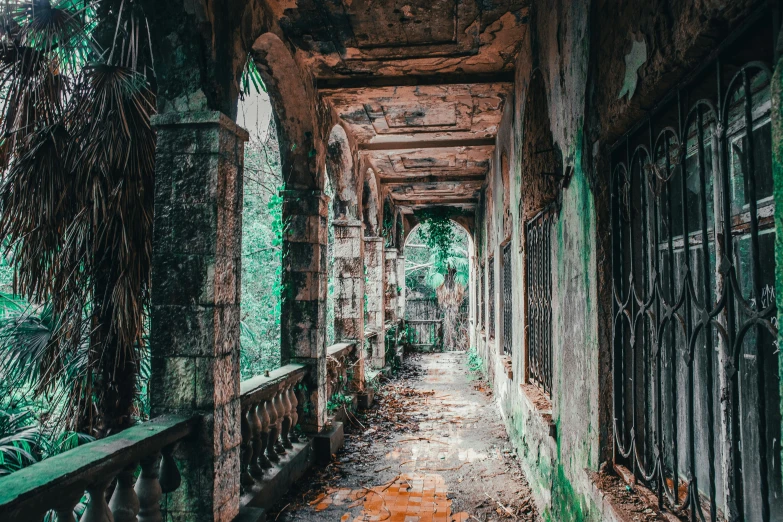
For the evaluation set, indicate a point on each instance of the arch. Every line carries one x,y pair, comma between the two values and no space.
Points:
294,109
341,173
541,165
370,205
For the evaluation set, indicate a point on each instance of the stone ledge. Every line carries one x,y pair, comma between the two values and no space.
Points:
613,510
540,405
277,480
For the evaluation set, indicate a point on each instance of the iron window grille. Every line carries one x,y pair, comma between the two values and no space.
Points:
696,393
507,301
482,298
538,283
491,297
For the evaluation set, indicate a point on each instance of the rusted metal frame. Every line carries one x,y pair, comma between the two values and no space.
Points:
491,296
58,482
756,278
706,314
507,301
539,296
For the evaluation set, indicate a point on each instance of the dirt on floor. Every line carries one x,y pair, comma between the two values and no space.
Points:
431,449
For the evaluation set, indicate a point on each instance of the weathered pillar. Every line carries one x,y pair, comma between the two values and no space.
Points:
303,317
391,293
194,337
401,283
373,291
349,288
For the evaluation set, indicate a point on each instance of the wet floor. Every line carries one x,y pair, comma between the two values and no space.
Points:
433,449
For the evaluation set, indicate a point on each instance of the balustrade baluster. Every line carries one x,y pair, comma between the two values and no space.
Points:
273,431
246,452
149,491
292,435
278,406
98,510
255,442
124,503
263,414
64,510
170,479
286,419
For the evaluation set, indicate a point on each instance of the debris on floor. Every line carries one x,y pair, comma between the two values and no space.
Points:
431,449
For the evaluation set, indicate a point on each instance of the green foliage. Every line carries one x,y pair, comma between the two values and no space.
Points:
338,400
436,247
25,438
262,239
77,165
475,362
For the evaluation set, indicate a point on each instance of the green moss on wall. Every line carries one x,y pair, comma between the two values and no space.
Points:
777,172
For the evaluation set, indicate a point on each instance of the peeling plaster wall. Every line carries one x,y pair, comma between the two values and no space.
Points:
583,85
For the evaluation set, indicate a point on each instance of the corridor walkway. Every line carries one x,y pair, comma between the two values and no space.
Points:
436,452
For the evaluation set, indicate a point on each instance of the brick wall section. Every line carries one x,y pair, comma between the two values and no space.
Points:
303,317
194,335
374,286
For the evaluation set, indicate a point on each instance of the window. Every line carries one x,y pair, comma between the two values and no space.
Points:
538,283
507,301
491,296
482,300
695,321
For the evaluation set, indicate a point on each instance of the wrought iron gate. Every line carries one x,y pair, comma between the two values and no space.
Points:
696,390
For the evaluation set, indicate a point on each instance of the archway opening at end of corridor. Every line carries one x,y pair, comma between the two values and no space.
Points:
437,282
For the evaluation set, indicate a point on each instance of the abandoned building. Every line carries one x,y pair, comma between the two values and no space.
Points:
617,166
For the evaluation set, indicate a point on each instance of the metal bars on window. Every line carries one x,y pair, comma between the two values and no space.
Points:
696,389
538,282
507,301
482,301
491,296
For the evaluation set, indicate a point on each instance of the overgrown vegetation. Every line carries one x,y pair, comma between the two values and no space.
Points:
262,236
76,183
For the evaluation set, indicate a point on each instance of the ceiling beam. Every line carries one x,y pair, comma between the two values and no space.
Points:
431,178
360,82
427,144
434,201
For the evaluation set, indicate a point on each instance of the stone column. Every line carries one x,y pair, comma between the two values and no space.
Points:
303,318
373,290
194,337
349,288
401,283
391,295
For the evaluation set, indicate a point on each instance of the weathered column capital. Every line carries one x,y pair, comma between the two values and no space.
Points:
354,223
199,118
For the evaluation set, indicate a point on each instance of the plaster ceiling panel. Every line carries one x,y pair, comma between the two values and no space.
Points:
392,23
442,191
408,113
413,163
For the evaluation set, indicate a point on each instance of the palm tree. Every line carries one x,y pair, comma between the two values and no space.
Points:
77,166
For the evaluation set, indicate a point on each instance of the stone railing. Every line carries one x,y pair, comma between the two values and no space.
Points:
270,411
58,483
340,359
